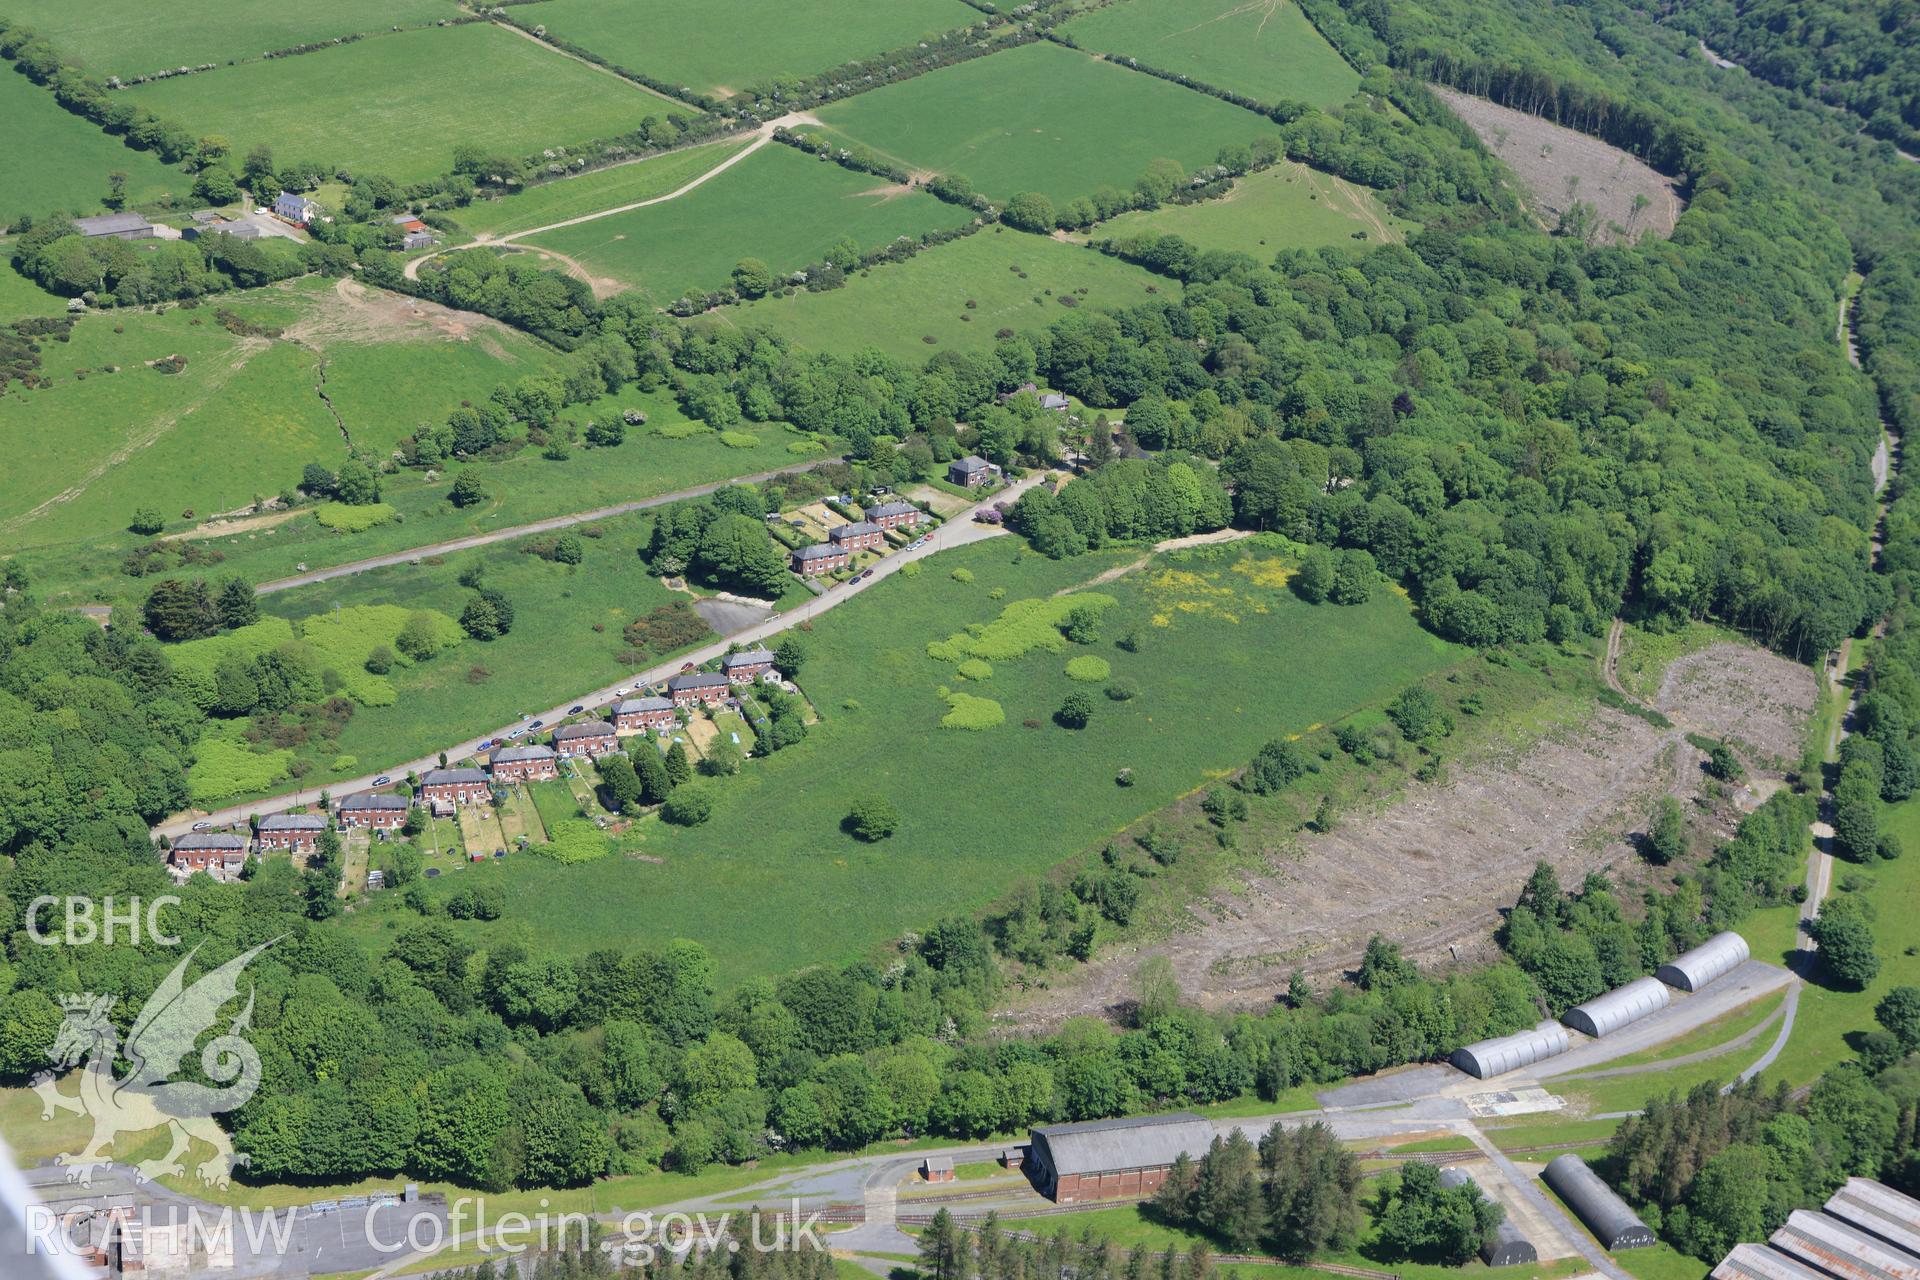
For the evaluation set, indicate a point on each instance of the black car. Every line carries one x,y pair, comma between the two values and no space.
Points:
576,708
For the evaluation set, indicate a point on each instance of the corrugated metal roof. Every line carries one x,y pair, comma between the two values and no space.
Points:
1130,1142
1619,1007
1844,1250
1757,1262
1488,1058
1715,958
1879,1209
103,224
1612,1221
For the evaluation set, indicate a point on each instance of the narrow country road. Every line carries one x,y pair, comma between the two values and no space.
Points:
548,525
959,531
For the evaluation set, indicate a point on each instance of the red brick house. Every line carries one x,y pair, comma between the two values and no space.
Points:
697,687
811,562
747,665
863,535
972,472
588,738
374,809
534,763
294,832
644,715
220,854
443,789
1121,1159
896,515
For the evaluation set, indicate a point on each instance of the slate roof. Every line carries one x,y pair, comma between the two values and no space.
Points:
225,840
854,530
697,680
973,462
436,777
508,755
585,729
818,551
891,509
632,705
1130,1142
294,822
746,658
374,800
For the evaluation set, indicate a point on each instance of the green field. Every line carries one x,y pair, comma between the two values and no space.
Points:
591,192
681,42
1236,663
399,104
1041,118
53,159
1286,207
1266,50
895,307
778,205
20,296
129,38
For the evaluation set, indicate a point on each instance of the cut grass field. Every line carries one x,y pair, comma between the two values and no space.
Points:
1286,207
1041,118
1265,49
778,205
128,37
674,41
55,160
1024,795
399,104
591,192
898,306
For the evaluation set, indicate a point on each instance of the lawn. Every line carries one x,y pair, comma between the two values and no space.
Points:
1234,664
1041,118
960,294
129,38
678,41
1286,207
590,192
55,160
399,104
778,205
1267,50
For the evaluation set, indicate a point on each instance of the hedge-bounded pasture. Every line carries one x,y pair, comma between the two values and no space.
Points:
590,192
1012,280
129,38
55,160
1266,50
721,50
1289,206
778,205
1041,118
399,104
1236,662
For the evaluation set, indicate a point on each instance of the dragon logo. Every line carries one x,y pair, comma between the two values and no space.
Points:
144,1098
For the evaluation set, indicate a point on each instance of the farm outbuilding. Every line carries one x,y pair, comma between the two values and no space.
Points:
1125,1158
1879,1209
1715,958
1618,1008
1842,1249
1757,1262
1506,1247
1488,1058
1613,1224
937,1169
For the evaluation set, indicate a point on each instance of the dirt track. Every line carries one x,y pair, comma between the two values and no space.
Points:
1432,870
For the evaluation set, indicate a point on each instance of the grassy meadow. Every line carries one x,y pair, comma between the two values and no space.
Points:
1266,50
399,104
20,296
55,160
551,202
675,40
1288,206
778,205
1227,659
129,38
960,294
1041,118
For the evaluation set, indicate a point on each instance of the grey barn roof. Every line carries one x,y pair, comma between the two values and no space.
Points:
223,840
1885,1212
1619,1007
436,777
1757,1262
375,800
1715,958
634,705
106,224
1488,1058
294,822
1612,1222
508,755
1133,1142
1842,1249
585,729
1506,1247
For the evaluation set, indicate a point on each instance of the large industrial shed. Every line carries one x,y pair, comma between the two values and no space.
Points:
1118,1159
1613,1224
1506,1247
1841,1249
1757,1262
1886,1213
1715,958
1866,1232
1486,1058
1618,1008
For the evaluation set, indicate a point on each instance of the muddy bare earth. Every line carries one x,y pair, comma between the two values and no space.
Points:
1558,166
1432,869
351,312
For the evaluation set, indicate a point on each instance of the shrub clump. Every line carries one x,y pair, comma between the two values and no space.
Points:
344,518
1088,669
977,669
966,711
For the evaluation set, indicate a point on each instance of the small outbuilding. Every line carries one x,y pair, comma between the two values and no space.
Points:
1121,1159
1505,1247
1620,1007
1596,1204
1715,958
1496,1057
937,1169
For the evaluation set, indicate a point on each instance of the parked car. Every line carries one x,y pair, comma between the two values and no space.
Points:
201,826
536,724
484,744
382,780
576,708
514,733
